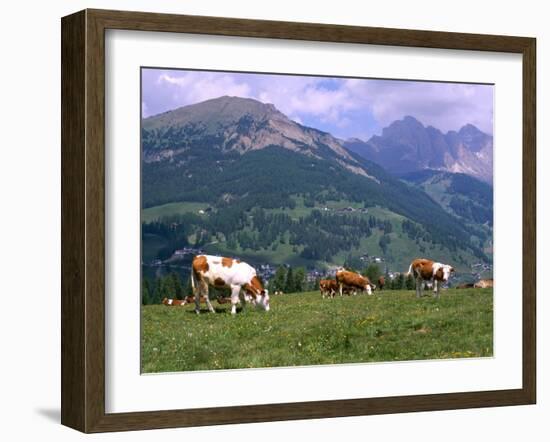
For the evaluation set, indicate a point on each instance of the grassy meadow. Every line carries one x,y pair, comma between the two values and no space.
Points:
304,329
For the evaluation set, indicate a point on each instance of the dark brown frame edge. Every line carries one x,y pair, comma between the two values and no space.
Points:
83,217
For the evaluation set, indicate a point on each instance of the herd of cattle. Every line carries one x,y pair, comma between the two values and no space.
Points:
422,270
220,272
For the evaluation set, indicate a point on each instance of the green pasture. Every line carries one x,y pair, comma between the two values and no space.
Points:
304,329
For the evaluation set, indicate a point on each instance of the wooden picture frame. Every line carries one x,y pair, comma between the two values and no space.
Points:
83,220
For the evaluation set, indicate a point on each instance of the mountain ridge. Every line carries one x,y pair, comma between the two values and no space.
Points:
236,155
407,145
242,125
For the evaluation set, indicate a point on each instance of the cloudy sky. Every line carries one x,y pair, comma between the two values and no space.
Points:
344,107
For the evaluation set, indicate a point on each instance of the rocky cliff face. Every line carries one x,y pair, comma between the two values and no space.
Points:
233,124
408,146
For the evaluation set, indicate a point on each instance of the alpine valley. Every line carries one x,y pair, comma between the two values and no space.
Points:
235,176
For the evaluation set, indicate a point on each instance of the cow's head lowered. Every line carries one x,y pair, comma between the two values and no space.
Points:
369,287
260,296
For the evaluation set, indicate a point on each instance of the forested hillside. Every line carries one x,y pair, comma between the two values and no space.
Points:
235,176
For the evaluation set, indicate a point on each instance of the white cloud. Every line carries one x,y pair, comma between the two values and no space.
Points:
335,103
306,96
446,106
193,87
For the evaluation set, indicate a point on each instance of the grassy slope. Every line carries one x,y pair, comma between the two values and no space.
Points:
307,330
400,251
164,210
438,189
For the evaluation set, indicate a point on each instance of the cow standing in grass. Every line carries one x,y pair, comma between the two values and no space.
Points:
223,272
328,287
430,271
352,280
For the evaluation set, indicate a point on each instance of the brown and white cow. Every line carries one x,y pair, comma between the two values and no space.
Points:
173,302
217,271
328,287
353,280
427,270
177,302
484,284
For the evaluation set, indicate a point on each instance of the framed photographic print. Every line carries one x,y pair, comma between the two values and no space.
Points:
250,208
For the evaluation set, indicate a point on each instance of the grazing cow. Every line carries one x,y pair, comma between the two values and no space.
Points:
173,302
353,280
484,284
430,271
381,282
187,300
222,272
328,287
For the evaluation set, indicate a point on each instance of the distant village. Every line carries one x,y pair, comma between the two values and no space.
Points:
208,210
267,271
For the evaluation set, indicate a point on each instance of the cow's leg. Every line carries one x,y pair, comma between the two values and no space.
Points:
208,303
341,287
419,286
235,290
202,288
436,288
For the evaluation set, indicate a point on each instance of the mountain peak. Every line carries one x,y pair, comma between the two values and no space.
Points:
474,139
406,146
223,109
244,103
241,125
406,125
409,119
469,129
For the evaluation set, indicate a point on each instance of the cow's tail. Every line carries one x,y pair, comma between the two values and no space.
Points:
410,270
193,280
